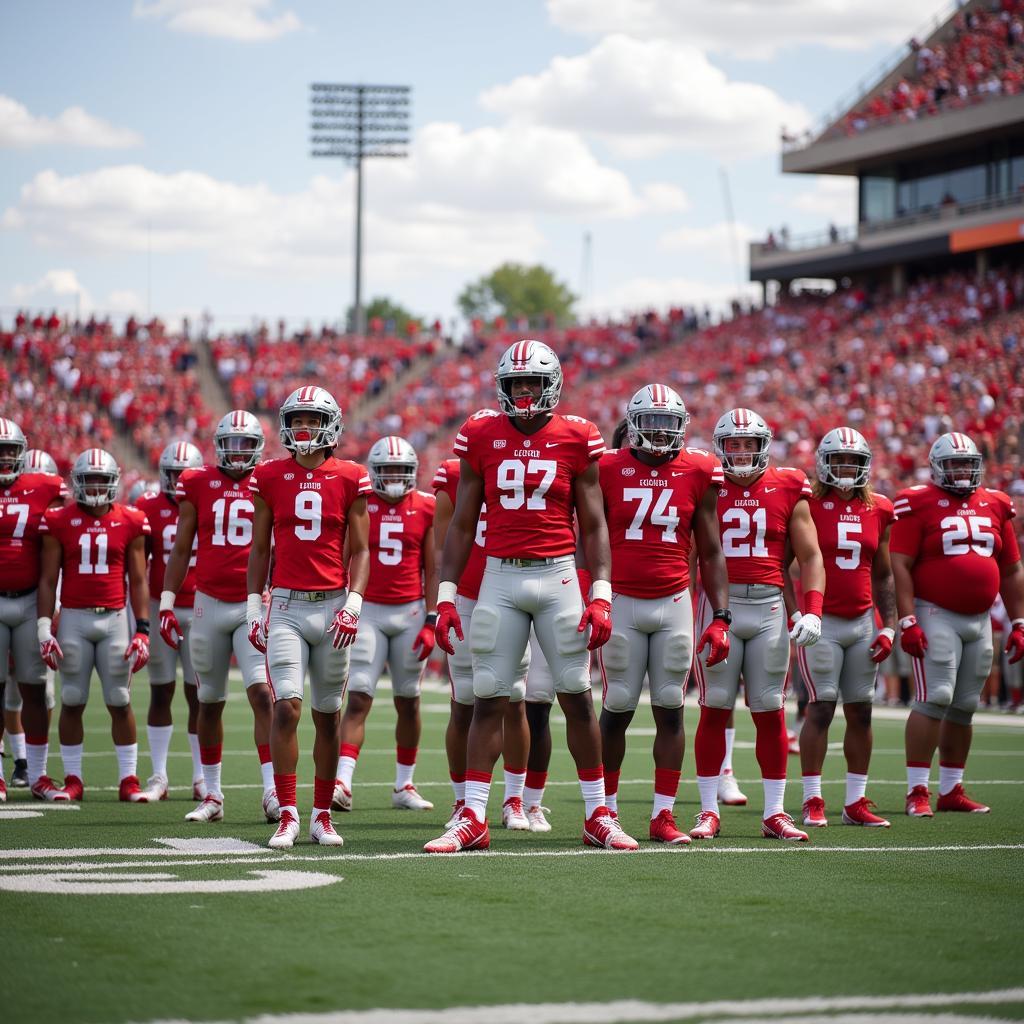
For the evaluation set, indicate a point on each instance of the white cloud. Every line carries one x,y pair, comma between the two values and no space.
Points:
54,288
720,243
832,199
648,96
749,28
20,129
245,21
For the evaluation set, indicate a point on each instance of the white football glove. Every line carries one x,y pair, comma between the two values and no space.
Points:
807,630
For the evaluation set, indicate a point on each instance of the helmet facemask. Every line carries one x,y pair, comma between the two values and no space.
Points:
393,480
527,406
751,464
660,433
958,474
845,470
238,453
12,461
96,487
306,440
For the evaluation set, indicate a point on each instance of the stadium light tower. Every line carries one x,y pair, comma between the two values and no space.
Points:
357,123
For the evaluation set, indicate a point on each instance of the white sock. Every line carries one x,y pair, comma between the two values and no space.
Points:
515,784
459,789
707,785
949,779
403,775
36,755
611,801
856,787
127,760
71,755
17,744
197,764
917,777
593,794
774,797
662,802
730,739
477,795
346,767
159,744
211,776
533,797
267,771
812,786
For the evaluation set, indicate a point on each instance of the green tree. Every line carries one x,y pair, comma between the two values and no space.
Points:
515,290
388,310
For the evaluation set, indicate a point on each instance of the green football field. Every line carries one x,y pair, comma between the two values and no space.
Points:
118,913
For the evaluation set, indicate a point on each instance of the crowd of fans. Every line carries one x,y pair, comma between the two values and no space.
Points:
984,57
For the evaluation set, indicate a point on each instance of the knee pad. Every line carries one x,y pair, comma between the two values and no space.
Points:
573,679
72,695
211,693
772,700
485,682
12,697
117,696
618,699
483,630
518,694
929,710
668,695
959,714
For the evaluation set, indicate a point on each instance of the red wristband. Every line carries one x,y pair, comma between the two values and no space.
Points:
814,601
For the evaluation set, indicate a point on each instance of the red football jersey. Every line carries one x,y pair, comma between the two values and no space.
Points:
162,514
310,509
22,505
959,545
397,533
93,567
447,479
754,521
849,533
528,480
650,515
224,512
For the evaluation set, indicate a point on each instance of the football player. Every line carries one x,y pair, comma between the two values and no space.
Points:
953,549
532,467
314,507
27,489
161,509
91,545
515,734
657,496
396,627
215,515
852,524
761,510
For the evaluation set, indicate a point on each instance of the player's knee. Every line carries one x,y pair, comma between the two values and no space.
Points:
407,706
771,700
72,695
117,696
286,713
360,684
961,713
483,631
518,694
209,693
929,709
326,702
821,712
618,698
486,683
359,704
259,697
573,679
668,695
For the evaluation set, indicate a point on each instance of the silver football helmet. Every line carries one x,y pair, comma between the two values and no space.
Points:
528,359
38,461
174,460
742,423
303,440
238,441
955,463
95,478
392,464
656,411
840,446
12,451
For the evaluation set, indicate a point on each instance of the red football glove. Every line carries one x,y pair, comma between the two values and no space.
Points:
344,627
881,646
716,636
424,642
138,652
1015,642
447,620
257,634
170,629
597,615
51,653
912,638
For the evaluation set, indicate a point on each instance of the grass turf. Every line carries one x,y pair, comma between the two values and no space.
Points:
676,925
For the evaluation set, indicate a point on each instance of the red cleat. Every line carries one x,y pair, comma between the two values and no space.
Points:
602,829
859,813
793,739
130,792
780,826
814,813
919,803
468,833
708,826
957,800
44,788
663,830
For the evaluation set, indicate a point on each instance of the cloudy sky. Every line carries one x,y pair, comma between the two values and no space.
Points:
154,153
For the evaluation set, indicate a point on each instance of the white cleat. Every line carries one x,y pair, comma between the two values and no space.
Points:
156,788
271,808
729,791
407,799
287,832
513,816
455,815
321,830
535,816
211,809
342,799
199,788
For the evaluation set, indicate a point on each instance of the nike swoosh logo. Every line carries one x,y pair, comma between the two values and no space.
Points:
552,444
682,473
981,504
333,476
568,579
676,600
768,490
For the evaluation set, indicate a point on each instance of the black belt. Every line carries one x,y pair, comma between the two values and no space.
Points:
529,563
11,594
96,610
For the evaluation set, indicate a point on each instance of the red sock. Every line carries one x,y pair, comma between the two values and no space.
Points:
536,780
323,793
709,743
405,755
772,743
611,782
211,755
457,777
285,785
666,781
263,750
349,750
